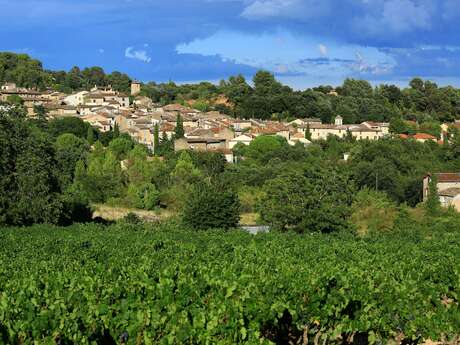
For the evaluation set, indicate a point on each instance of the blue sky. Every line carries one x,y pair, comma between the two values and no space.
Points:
304,42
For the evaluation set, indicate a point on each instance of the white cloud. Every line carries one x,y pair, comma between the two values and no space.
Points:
322,49
397,17
297,9
140,55
300,54
361,65
101,51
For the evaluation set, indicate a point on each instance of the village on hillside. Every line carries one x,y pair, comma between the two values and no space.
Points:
103,108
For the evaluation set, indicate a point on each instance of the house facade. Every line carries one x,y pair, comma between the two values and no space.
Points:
448,187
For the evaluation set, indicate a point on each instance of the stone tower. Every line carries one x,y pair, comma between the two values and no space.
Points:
135,88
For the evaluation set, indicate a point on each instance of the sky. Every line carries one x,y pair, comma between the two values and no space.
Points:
303,42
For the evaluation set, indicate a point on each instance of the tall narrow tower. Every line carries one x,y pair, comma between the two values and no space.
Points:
135,88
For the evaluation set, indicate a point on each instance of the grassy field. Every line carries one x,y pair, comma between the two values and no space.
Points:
113,213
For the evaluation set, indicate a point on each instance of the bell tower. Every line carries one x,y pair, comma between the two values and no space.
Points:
135,88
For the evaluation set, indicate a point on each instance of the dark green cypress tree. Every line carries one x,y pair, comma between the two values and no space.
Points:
179,132
156,140
308,132
116,131
433,205
90,135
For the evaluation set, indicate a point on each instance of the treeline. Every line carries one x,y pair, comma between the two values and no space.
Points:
265,98
37,168
28,72
355,100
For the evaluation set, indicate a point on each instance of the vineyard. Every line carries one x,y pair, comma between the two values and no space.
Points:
127,284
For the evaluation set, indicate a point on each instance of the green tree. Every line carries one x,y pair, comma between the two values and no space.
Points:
72,125
156,139
116,131
90,136
210,206
179,131
433,205
185,171
121,146
40,112
29,190
15,100
264,145
144,196
308,132
69,150
357,88
316,202
398,126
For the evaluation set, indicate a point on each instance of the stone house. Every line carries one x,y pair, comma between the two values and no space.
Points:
76,98
448,186
199,144
244,139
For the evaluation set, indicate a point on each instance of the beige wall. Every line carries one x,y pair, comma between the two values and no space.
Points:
367,135
226,134
180,144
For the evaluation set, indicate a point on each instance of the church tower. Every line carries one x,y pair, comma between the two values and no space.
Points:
135,88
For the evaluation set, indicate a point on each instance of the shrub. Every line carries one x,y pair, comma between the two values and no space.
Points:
318,202
211,206
144,196
132,218
249,197
373,211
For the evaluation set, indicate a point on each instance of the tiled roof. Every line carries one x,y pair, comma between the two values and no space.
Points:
424,136
299,135
448,177
206,140
200,132
167,127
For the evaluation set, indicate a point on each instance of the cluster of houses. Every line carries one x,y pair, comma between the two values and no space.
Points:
104,107
137,115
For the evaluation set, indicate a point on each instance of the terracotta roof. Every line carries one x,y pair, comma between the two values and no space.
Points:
217,130
299,135
167,127
200,132
447,177
424,136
